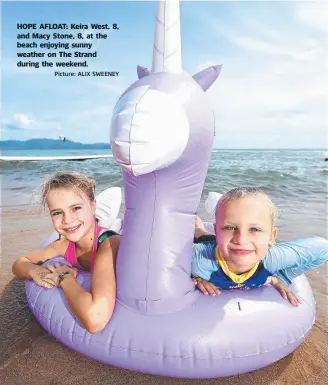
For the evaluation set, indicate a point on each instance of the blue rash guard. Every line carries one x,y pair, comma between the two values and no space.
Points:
286,261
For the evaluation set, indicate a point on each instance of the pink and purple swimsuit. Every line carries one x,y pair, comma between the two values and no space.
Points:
100,235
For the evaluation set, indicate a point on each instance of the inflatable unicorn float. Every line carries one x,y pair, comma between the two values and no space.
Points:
161,134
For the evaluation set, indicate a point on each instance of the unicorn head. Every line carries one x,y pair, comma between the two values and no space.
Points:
153,110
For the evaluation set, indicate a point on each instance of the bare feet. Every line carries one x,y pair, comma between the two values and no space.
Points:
199,227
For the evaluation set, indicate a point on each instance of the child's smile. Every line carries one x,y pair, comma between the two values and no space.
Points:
240,251
72,230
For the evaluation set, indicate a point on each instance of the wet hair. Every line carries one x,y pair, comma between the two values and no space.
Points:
70,180
241,192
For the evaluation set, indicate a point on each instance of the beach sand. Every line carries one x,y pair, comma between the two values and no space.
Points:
28,355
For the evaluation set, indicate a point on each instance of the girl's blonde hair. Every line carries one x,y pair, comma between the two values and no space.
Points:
241,192
70,180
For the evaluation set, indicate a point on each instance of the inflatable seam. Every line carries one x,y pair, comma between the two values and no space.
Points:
83,337
109,343
182,357
157,314
49,319
135,111
150,243
73,330
37,296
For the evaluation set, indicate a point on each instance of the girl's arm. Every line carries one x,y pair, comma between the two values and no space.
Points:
27,267
94,309
288,260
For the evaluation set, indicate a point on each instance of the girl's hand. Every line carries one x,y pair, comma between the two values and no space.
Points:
284,290
206,287
58,269
57,272
43,277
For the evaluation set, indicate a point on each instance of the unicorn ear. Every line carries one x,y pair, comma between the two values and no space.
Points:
207,77
142,71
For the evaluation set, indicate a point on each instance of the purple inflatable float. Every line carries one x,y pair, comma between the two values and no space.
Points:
162,134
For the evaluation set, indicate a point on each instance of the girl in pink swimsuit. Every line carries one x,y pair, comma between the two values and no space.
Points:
71,203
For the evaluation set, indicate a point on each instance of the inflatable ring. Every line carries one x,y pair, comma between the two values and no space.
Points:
161,134
233,333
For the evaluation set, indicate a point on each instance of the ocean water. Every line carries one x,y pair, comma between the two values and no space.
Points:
295,179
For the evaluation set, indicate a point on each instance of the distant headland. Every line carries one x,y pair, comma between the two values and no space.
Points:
51,144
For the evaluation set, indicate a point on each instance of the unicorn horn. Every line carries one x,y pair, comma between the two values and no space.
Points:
167,43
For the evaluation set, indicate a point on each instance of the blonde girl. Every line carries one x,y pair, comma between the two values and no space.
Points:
70,199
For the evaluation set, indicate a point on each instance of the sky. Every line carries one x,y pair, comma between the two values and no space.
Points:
271,93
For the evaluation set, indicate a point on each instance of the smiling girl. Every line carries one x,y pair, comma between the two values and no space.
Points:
242,254
71,203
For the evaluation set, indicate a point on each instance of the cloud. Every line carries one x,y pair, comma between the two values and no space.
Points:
95,120
11,127
314,14
19,121
25,122
115,88
303,49
274,88
269,106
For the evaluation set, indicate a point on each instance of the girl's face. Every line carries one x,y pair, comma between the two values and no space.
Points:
243,231
72,213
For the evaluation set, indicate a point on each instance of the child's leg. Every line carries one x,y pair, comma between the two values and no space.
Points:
201,234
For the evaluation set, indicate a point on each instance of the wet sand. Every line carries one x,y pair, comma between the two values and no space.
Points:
28,355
